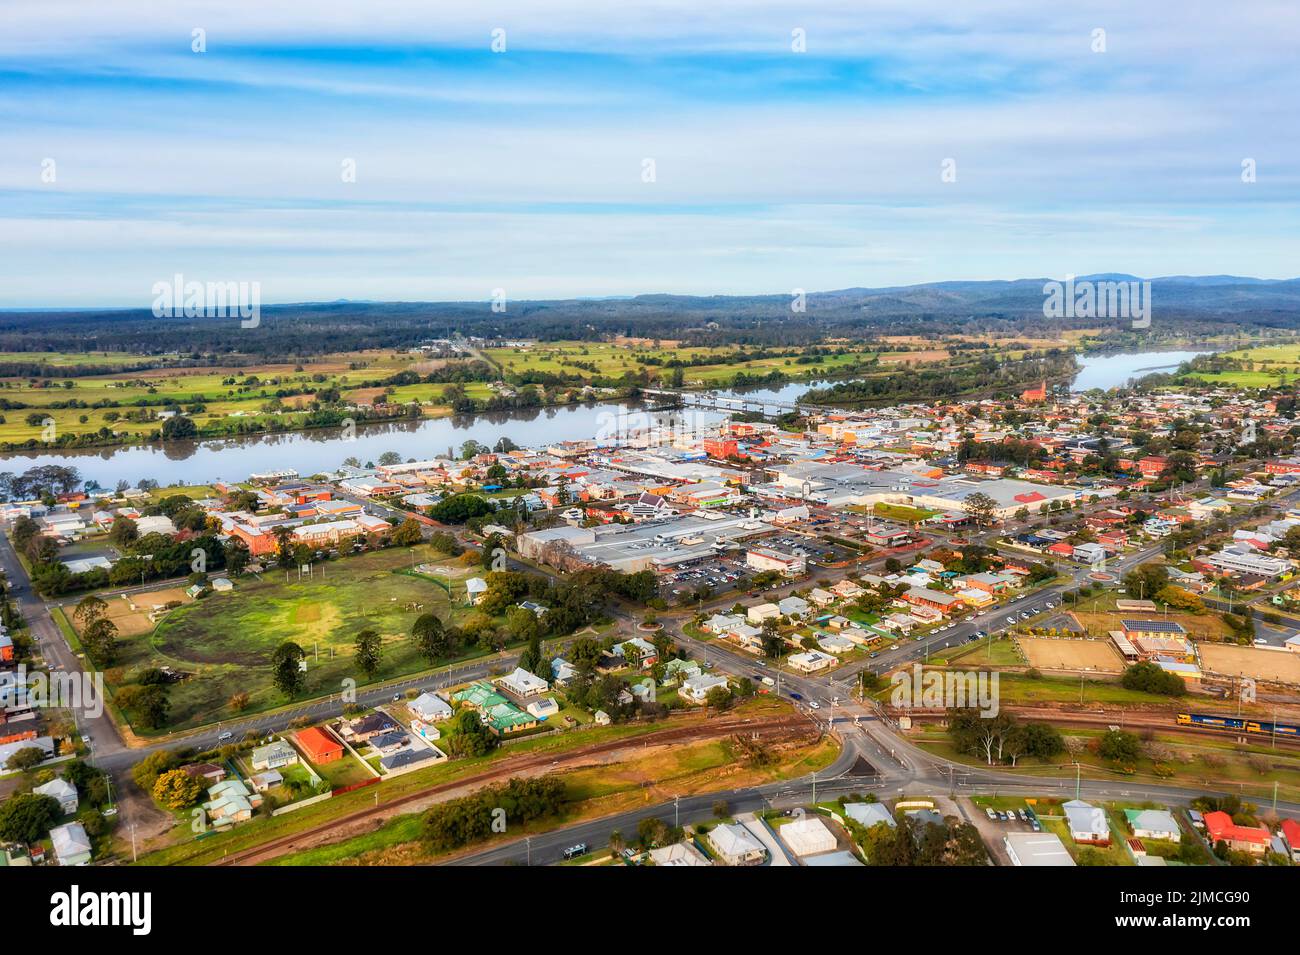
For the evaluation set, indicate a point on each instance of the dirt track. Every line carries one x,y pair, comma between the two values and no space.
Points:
365,820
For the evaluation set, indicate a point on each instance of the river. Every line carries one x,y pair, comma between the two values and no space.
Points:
1116,369
312,452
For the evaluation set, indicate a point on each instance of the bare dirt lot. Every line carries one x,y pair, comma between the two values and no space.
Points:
1095,656
1270,666
130,614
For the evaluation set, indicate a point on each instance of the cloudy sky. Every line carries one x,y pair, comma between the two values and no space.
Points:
527,169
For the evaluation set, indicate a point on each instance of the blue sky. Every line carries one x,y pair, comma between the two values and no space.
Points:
523,170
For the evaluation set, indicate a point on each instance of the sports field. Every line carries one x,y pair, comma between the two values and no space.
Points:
1096,656
224,643
1270,666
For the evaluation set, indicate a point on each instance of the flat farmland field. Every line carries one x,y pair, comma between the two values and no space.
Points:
1096,656
224,643
1270,666
248,392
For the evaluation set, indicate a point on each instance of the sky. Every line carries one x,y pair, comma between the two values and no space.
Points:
567,149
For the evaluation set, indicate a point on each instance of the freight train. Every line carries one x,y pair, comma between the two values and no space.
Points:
1239,724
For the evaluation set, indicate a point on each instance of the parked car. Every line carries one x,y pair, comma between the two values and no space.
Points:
574,851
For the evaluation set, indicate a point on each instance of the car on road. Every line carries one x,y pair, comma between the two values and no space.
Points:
796,696
225,736
814,705
574,851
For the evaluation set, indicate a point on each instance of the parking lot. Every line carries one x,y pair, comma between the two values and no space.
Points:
719,574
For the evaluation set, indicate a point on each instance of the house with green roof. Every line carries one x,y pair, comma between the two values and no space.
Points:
497,713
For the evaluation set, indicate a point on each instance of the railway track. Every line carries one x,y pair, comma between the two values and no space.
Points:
1130,721
511,766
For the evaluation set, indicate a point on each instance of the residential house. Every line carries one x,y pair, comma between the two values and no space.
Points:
524,684
1153,824
230,802
320,746
793,607
736,845
430,707
811,661
696,689
62,792
274,755
868,814
1087,823
71,844
1219,827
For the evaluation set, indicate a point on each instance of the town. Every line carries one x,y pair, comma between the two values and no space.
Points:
739,605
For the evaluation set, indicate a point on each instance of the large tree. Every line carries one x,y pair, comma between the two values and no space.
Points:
369,649
430,637
286,668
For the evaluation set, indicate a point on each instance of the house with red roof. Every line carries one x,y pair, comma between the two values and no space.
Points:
1152,466
319,745
1291,833
1252,839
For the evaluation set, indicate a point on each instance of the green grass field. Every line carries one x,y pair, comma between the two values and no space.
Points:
225,642
224,392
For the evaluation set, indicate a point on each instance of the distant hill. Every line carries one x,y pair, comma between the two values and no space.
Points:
1182,305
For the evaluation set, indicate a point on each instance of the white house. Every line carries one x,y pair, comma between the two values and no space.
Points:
544,708
1153,824
475,588
793,606
679,853
61,791
1087,823
834,643
696,689
71,844
275,755
721,623
760,612
430,707
821,597
811,661
868,814
807,836
523,683
736,845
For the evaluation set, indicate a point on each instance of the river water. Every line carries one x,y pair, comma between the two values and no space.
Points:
312,452
1115,370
